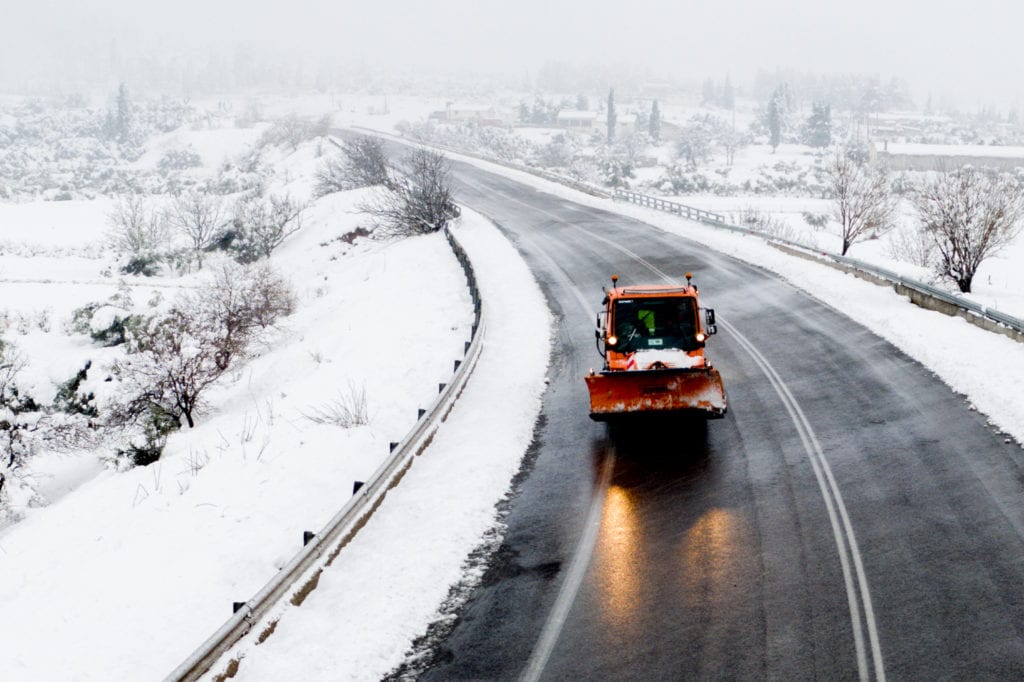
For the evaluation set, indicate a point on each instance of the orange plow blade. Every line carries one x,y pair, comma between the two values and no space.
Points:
622,393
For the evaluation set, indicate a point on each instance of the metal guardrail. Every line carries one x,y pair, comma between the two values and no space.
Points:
359,507
669,206
718,220
1015,323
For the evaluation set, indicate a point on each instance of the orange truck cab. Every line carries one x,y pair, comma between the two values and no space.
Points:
652,338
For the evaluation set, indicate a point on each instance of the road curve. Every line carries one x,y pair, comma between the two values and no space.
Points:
850,518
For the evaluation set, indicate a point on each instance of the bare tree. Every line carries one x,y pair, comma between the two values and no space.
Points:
197,215
263,225
136,227
239,303
971,215
362,163
417,202
174,358
863,204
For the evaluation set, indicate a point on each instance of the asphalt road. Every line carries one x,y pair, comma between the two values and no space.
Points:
850,517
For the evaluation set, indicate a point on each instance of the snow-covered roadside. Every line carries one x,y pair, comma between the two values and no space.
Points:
987,368
124,577
385,588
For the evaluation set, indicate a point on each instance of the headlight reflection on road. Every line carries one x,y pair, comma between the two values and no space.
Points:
710,551
618,545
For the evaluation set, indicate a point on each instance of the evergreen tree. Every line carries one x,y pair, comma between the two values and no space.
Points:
775,122
708,91
612,116
582,104
654,123
728,95
818,129
120,121
777,114
124,114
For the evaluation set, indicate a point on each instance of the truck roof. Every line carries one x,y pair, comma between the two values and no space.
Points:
652,290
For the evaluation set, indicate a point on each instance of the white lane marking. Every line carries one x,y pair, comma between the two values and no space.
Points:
584,552
816,458
573,578
845,539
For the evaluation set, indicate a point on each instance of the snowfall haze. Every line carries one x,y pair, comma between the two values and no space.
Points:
959,53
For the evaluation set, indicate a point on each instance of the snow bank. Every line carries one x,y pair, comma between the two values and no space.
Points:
385,587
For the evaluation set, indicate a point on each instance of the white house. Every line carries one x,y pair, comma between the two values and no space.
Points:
576,120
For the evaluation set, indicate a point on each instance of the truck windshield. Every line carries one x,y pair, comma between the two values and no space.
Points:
655,323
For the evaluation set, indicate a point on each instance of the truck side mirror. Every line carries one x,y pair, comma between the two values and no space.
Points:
709,321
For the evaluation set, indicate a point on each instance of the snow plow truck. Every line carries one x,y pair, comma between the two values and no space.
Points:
652,339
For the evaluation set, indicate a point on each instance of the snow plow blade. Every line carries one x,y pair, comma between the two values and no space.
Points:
616,394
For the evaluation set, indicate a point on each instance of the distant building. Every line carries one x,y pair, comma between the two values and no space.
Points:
576,120
624,123
930,157
484,114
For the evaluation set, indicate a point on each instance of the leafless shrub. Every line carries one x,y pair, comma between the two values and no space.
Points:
239,303
864,205
912,244
418,202
971,215
261,225
347,410
360,163
198,216
816,220
765,223
136,227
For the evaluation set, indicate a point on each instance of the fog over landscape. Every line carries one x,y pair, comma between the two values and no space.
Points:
961,53
307,348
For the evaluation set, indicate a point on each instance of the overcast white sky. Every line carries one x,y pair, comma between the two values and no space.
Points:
959,48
